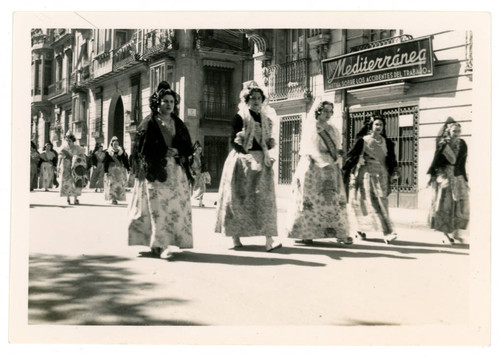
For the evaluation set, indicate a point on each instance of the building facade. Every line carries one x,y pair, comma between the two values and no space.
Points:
97,83
415,80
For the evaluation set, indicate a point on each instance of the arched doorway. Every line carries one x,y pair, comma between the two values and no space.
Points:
116,119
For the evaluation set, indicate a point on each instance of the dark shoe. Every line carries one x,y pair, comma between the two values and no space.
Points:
345,240
69,201
448,239
77,202
361,235
114,202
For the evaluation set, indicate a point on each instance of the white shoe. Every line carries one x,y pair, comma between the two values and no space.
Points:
237,242
271,244
391,237
166,254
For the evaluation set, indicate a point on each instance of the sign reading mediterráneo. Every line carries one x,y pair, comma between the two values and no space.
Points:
399,61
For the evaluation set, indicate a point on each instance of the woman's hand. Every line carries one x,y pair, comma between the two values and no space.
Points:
172,152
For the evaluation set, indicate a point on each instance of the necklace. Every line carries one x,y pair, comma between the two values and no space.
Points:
379,141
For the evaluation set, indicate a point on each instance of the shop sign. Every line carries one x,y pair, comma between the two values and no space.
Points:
405,60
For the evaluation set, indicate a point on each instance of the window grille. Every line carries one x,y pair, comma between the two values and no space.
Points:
290,130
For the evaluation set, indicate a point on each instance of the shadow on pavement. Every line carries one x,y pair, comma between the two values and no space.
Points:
230,259
405,247
337,252
90,290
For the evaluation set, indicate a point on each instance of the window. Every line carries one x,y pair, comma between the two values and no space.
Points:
290,130
216,89
120,38
295,45
136,116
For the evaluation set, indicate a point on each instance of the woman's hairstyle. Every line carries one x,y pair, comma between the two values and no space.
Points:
69,135
443,130
155,99
321,106
113,139
97,146
374,118
48,143
249,88
246,97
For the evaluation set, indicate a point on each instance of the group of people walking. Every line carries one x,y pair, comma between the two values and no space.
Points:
330,199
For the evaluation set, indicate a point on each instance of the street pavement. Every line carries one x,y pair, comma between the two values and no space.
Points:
81,272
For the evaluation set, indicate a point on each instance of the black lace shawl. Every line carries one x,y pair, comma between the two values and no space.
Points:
440,160
148,156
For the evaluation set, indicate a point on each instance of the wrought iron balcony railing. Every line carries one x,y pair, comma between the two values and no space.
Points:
288,80
124,55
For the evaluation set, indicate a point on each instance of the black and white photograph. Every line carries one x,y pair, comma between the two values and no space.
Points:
294,178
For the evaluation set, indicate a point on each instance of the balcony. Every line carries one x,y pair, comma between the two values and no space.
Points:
58,88
288,81
156,42
124,55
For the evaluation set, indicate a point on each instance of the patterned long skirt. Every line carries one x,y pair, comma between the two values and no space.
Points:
115,182
247,200
97,179
368,199
319,203
67,185
47,175
159,213
450,202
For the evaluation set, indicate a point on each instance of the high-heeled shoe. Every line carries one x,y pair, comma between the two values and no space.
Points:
77,202
449,239
69,201
391,237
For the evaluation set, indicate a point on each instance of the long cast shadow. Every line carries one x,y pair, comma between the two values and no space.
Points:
90,290
339,252
404,247
230,259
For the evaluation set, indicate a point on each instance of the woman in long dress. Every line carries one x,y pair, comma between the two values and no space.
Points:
72,169
48,159
247,200
450,202
160,208
116,166
371,163
34,163
97,179
199,168
319,200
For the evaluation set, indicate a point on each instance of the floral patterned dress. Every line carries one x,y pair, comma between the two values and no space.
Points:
319,201
115,180
97,179
369,188
247,199
47,169
69,158
160,212
450,201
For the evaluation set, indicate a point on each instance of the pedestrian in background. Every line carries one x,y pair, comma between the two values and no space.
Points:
160,208
370,164
450,202
116,166
71,169
34,163
97,179
48,164
200,173
319,200
247,200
